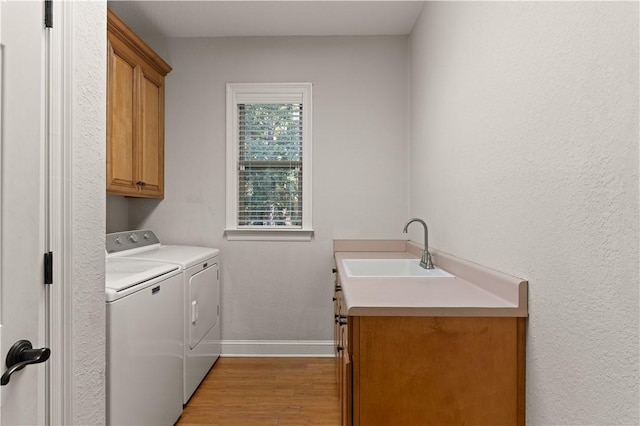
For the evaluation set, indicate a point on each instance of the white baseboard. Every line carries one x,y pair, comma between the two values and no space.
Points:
277,348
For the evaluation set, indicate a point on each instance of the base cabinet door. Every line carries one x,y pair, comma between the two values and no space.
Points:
434,371
337,343
346,391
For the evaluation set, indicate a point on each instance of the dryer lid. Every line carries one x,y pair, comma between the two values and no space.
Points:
185,256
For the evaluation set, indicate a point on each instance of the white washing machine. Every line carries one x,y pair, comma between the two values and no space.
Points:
201,297
144,342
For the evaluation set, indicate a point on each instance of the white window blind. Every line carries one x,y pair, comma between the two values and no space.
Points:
270,165
269,161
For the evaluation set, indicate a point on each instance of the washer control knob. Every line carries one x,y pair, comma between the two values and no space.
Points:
117,240
133,237
146,236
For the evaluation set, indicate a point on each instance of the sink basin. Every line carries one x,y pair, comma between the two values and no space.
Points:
390,268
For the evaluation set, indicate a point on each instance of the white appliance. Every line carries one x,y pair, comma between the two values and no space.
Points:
144,342
201,297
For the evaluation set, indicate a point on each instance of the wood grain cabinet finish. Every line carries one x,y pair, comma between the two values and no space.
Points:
343,357
403,370
135,114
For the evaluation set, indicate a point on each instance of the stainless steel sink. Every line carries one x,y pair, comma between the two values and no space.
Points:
390,268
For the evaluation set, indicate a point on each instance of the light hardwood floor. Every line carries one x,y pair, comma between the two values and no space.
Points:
266,391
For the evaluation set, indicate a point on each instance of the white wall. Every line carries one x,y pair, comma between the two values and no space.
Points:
524,158
282,291
88,135
117,214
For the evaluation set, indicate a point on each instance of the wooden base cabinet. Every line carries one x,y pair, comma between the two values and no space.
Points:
433,371
135,114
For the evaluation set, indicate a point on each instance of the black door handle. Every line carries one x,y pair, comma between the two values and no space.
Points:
20,355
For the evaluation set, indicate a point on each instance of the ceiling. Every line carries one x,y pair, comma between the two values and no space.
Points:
267,18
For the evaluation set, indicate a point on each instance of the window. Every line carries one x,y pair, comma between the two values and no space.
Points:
269,161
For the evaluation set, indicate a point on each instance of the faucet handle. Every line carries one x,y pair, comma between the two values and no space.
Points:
426,262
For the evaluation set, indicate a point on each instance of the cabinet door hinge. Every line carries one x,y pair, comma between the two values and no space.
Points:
48,268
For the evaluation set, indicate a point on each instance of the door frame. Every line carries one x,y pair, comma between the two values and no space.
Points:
60,294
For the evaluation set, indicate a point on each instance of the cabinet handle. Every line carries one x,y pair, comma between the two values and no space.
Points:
334,270
334,299
341,319
339,348
140,183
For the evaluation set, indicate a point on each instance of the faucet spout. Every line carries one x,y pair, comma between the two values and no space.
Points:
426,261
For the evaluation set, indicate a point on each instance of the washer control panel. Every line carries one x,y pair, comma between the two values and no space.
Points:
127,240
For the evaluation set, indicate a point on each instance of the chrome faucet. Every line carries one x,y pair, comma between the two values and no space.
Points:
426,261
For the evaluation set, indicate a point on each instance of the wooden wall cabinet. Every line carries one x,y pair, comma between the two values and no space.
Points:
135,114
418,370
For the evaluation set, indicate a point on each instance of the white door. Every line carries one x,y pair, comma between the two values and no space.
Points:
22,205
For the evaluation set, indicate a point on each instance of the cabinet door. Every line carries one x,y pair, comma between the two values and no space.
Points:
336,335
121,126
337,339
346,395
438,371
344,370
151,137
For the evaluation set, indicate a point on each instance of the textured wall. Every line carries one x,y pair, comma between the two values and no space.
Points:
88,133
282,290
524,158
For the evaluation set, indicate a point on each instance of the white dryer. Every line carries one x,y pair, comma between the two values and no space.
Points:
201,297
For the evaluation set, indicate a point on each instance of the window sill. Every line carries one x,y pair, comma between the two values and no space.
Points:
268,234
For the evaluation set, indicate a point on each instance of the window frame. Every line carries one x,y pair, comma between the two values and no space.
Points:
239,93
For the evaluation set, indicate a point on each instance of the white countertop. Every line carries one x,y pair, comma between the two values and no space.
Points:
474,291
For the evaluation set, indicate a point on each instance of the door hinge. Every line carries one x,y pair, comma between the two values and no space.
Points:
48,268
48,13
